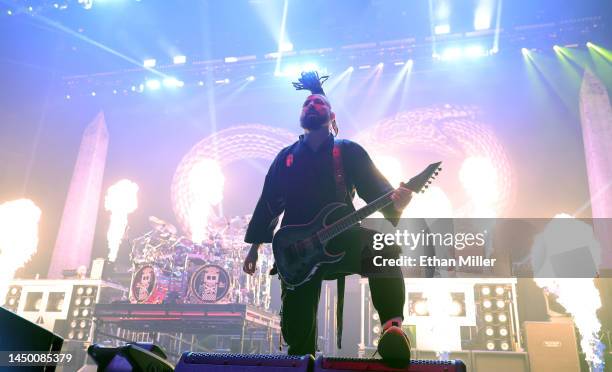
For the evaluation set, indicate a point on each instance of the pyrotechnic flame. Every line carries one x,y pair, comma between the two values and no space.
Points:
479,178
439,304
121,200
18,238
206,183
580,298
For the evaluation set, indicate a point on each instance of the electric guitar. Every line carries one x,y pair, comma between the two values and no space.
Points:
299,250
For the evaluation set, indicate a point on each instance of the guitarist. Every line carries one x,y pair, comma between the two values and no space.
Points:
300,182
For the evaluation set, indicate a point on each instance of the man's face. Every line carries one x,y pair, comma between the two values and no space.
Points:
316,112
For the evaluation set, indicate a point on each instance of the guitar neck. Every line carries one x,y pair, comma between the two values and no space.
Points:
354,218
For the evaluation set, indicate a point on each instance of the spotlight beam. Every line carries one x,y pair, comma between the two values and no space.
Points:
58,26
281,39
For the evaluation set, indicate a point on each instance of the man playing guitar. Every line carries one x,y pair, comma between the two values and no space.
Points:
301,181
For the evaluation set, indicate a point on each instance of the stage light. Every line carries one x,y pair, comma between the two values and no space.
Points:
488,318
375,316
85,312
149,63
485,291
200,83
452,53
71,334
557,48
400,63
179,60
250,78
502,317
503,332
499,290
456,308
474,51
376,329
11,302
490,345
80,291
364,67
173,82
82,324
14,291
80,335
500,304
351,69
442,29
487,304
87,301
380,65
375,342
589,44
93,94
420,308
231,59
114,91
73,324
75,312
489,331
77,302
153,84
505,346
482,16
9,12
285,46
525,51
133,88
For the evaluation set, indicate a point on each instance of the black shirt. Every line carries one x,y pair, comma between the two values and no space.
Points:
301,182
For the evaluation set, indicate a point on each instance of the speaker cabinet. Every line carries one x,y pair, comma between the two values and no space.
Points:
463,356
552,347
500,361
19,334
212,362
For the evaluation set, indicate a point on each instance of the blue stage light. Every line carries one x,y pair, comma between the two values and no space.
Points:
153,84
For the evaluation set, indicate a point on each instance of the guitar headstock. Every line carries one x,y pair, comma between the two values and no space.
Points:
421,181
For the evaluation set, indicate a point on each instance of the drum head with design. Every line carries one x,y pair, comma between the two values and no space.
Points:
210,283
143,284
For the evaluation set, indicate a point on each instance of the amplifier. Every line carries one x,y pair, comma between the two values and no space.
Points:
213,362
552,346
357,364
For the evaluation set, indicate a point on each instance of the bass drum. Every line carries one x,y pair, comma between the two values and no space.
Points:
209,284
149,285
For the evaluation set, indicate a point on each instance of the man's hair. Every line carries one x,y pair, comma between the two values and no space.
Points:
311,81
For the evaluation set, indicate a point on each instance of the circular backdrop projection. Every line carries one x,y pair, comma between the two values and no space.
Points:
244,141
476,177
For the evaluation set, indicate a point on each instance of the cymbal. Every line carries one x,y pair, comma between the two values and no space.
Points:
161,225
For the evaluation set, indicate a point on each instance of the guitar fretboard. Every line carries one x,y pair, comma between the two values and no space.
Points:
354,218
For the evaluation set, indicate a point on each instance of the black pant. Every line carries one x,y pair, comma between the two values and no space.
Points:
299,305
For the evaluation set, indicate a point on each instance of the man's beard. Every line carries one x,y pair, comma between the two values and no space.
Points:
314,122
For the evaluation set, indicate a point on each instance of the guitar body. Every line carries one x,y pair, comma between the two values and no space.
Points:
299,252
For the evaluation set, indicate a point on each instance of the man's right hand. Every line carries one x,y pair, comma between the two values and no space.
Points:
250,261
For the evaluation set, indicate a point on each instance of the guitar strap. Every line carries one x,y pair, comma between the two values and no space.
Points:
340,195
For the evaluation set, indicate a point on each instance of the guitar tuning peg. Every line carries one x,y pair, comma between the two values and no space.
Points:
436,173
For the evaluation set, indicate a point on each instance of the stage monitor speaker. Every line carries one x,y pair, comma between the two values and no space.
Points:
323,364
500,361
552,347
464,356
19,334
213,362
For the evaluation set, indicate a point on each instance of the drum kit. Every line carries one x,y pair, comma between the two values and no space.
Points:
169,268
